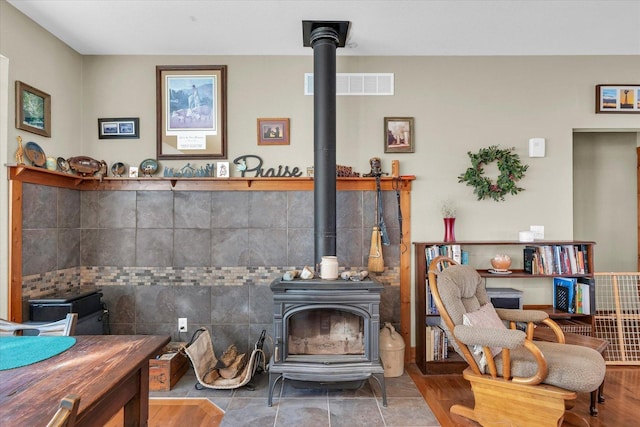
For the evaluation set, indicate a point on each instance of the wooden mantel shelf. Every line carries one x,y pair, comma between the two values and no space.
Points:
36,175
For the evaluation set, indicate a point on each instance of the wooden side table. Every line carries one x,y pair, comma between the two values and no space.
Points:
600,345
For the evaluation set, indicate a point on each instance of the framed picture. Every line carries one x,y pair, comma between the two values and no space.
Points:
121,128
398,135
33,109
273,131
618,99
191,111
222,169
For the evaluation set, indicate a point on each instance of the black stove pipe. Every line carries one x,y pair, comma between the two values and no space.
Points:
324,41
324,37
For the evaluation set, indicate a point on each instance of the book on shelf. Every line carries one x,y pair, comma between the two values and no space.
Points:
530,256
431,304
586,295
571,253
563,293
555,259
436,343
585,259
453,251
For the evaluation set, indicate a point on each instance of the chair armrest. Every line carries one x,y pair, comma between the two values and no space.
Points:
508,339
489,337
517,315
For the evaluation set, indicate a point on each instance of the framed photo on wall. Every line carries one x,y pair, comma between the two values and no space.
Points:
120,128
398,135
273,131
33,109
618,99
191,111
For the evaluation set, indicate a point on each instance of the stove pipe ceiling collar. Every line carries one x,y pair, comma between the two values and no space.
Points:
324,37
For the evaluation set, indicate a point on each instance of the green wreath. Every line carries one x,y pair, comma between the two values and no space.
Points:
511,171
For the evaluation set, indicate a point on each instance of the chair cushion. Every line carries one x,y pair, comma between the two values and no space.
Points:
462,290
485,317
571,367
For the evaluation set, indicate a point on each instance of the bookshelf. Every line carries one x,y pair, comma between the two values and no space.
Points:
454,363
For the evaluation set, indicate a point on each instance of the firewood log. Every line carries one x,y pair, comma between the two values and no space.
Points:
228,357
235,368
211,376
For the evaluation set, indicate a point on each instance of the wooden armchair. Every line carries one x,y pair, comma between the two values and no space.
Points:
66,414
66,327
515,381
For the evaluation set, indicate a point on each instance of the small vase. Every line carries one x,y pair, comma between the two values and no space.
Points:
449,229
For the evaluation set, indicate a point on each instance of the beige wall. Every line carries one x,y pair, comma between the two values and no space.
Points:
40,60
460,104
44,62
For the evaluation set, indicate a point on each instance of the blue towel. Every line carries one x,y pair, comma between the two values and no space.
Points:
22,351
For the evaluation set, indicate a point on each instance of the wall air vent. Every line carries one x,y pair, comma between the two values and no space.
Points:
356,84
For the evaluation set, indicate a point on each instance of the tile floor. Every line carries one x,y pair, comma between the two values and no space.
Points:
314,407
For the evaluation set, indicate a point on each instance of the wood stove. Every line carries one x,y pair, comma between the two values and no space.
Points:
326,331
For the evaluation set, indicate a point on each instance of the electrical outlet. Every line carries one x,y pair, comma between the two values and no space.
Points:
182,324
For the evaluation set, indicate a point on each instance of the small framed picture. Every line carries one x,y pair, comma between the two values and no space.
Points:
398,135
222,169
33,110
133,171
120,128
618,99
273,131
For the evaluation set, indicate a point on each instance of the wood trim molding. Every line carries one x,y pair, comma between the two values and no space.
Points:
15,252
35,175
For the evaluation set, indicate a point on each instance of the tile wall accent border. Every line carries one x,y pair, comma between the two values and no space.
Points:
39,285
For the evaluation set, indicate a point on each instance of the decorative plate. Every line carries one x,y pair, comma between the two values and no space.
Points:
35,154
494,271
63,165
118,169
148,167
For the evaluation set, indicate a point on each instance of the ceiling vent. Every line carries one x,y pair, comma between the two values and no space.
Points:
356,84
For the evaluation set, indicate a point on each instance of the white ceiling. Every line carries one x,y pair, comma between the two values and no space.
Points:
381,28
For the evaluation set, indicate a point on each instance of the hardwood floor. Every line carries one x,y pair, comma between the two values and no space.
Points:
621,392
620,409
192,412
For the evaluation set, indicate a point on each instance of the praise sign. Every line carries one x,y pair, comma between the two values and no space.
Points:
252,163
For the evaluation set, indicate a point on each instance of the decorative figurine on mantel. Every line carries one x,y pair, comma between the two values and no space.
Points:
20,152
376,168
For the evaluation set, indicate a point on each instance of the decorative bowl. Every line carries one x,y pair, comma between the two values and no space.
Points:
83,165
501,262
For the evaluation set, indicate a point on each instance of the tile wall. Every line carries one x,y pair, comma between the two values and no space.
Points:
205,255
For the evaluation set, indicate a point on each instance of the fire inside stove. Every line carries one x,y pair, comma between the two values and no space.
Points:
326,331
